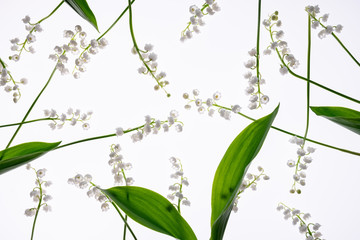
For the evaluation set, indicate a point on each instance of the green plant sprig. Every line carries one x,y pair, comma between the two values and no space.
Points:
138,51
23,44
337,39
304,78
293,134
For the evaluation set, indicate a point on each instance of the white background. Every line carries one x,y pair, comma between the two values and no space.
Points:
211,61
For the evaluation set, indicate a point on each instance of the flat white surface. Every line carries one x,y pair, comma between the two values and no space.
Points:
211,61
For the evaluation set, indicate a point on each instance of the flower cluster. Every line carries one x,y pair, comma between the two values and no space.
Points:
119,166
83,182
256,96
250,182
177,188
74,47
38,194
149,66
321,21
278,45
303,160
210,104
18,46
154,126
196,19
298,219
88,49
58,121
10,85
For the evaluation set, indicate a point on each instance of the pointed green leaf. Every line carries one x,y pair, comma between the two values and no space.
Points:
83,9
346,117
21,154
151,210
231,171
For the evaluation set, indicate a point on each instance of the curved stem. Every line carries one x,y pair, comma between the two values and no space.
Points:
2,63
293,134
112,25
98,137
138,51
53,11
37,212
28,112
30,121
322,86
309,80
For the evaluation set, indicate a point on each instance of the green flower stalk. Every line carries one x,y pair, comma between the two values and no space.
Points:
299,219
148,59
39,195
288,61
211,106
250,182
95,191
30,38
177,194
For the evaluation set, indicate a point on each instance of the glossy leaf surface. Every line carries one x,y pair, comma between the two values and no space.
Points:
151,210
346,117
231,171
23,153
82,8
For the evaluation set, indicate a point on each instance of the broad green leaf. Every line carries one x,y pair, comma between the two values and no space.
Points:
21,154
232,169
151,210
83,9
346,117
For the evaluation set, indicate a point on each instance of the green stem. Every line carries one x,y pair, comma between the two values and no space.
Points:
338,40
307,94
37,212
138,51
124,219
124,235
353,58
293,134
53,11
309,80
2,63
98,137
321,86
28,112
112,25
258,47
30,121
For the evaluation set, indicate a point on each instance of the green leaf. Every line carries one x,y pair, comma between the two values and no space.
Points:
83,9
151,210
232,169
346,117
21,154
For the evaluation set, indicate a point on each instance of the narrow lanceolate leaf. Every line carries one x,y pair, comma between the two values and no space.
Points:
346,117
83,9
232,169
21,154
151,210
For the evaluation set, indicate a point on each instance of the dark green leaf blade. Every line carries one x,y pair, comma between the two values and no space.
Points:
83,9
151,210
345,117
231,171
21,154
